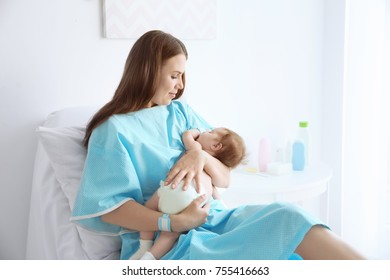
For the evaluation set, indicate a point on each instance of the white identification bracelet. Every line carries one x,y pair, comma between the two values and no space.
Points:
164,223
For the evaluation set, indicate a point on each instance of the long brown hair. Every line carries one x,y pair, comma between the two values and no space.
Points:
140,76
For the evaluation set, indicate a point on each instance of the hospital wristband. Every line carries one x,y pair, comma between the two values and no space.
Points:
164,223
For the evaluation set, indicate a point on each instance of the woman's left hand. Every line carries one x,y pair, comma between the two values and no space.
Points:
189,167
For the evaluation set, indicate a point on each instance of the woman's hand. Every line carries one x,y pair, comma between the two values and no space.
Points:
189,167
192,217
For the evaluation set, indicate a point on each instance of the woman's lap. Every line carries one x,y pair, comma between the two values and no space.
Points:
249,232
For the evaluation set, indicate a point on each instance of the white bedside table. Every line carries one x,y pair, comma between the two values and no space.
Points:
260,188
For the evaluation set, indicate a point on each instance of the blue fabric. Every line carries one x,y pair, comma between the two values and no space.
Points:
249,232
127,157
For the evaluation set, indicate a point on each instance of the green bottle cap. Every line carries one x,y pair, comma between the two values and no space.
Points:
303,124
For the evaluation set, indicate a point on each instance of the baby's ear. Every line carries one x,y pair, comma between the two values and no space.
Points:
216,147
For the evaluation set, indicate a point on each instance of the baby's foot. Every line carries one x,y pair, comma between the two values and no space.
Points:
144,246
148,256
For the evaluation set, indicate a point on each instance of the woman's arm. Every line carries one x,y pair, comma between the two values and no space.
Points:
134,216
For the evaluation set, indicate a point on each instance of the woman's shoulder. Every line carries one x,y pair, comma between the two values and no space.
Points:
120,124
113,123
106,134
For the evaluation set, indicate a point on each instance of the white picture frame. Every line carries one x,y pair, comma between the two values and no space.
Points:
186,19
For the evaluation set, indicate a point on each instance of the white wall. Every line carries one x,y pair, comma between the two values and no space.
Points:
260,77
333,102
264,73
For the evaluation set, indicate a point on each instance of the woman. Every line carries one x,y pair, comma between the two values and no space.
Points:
134,141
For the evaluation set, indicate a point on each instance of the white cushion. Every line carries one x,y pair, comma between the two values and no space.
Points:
67,156
66,153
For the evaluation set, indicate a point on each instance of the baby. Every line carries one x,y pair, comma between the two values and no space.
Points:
223,144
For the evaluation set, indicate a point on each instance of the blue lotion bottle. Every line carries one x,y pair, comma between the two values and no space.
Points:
298,156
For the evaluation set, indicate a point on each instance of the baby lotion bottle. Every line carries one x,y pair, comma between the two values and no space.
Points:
298,156
304,136
265,154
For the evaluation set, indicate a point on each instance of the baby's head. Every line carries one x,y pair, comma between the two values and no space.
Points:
224,144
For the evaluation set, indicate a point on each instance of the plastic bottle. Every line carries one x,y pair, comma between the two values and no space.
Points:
265,154
304,136
298,156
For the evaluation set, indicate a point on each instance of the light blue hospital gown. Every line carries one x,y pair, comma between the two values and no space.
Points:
127,157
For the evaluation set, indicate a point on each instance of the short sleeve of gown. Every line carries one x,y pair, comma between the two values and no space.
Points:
109,180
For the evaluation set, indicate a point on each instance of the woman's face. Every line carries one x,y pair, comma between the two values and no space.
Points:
170,80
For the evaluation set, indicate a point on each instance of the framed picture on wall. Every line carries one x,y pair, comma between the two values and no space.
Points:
187,19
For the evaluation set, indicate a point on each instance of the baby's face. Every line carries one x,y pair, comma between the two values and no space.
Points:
209,138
